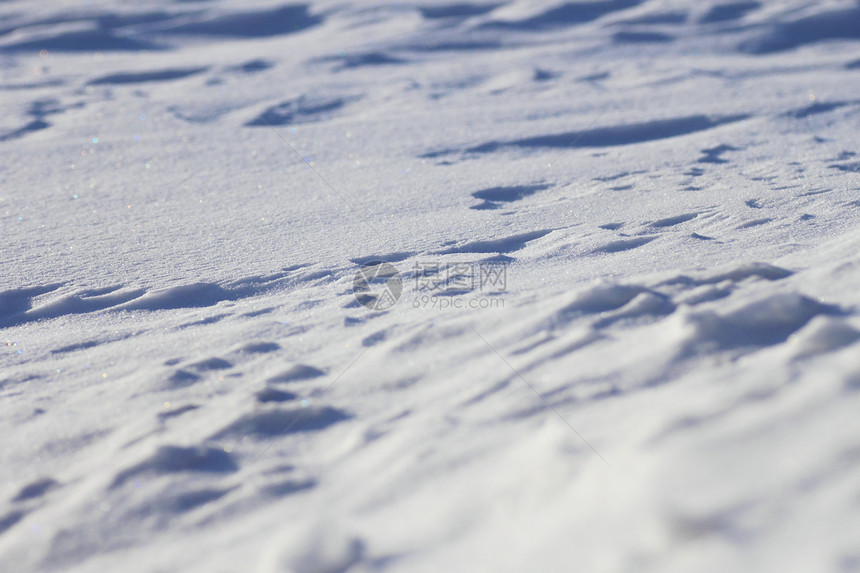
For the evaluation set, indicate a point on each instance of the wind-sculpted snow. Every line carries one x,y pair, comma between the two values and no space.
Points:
568,14
17,305
169,459
144,77
482,285
793,32
298,111
501,245
495,196
608,136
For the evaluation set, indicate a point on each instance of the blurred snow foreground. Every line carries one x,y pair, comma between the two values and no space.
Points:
511,285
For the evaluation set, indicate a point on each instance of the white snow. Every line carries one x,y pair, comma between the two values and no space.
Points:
645,357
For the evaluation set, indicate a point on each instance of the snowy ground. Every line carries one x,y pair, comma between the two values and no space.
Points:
667,379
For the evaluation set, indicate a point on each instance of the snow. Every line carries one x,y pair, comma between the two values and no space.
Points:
626,337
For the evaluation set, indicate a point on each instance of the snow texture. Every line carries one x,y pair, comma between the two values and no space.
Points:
667,379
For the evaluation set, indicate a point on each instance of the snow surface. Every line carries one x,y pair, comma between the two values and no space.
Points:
669,382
